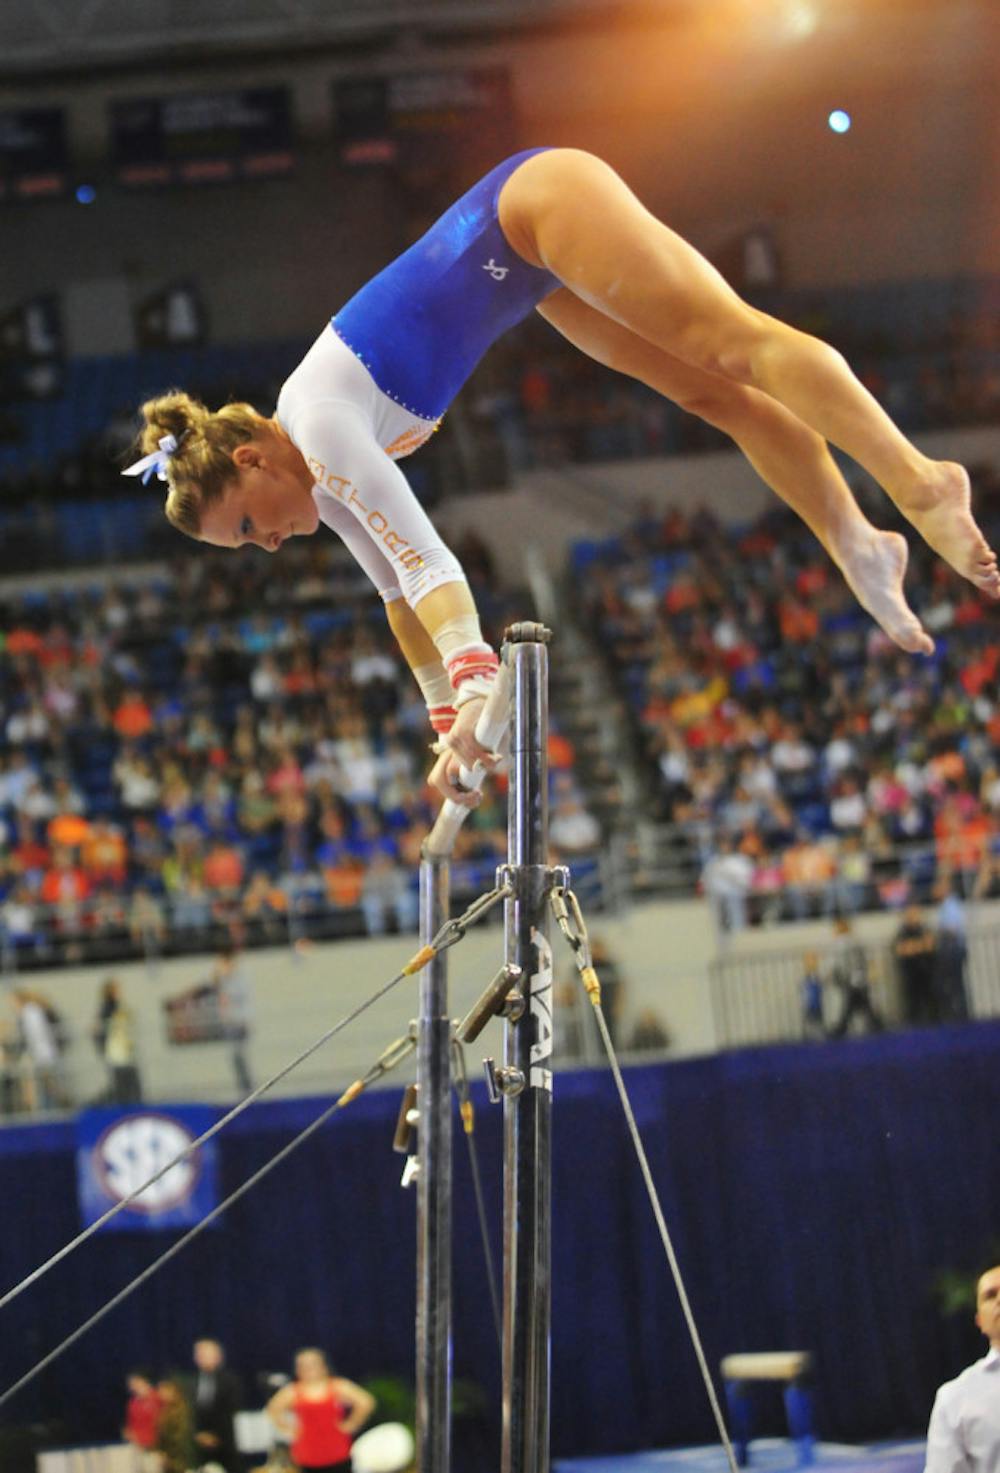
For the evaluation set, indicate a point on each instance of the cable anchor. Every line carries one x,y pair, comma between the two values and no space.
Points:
569,918
388,1059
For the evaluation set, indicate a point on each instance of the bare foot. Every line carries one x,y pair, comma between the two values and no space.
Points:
873,569
941,511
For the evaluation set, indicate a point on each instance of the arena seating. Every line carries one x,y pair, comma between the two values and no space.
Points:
176,765
711,640
780,724
930,350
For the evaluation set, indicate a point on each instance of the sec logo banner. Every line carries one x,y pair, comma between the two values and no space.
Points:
117,1151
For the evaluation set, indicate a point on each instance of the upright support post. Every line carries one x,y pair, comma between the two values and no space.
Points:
528,1048
434,1184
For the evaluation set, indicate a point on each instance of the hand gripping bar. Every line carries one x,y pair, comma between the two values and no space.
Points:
490,728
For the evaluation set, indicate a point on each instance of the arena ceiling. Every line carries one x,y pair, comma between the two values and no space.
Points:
39,36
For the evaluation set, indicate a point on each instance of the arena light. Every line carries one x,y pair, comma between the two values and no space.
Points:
800,19
839,121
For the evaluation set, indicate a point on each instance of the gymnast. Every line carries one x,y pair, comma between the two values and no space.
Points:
557,230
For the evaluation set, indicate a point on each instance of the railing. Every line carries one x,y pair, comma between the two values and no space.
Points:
669,859
56,936
757,997
27,1089
636,861
983,978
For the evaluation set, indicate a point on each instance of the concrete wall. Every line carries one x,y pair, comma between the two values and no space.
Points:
297,996
663,952
550,508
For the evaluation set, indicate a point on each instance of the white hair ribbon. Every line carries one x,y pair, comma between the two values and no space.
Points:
156,463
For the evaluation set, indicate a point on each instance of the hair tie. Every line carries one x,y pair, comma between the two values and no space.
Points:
157,462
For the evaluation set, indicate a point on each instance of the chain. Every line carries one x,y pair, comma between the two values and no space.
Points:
569,917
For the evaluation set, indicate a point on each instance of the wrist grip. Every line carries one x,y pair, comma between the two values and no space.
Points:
490,727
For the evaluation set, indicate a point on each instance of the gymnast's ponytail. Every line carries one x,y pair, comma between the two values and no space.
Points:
200,468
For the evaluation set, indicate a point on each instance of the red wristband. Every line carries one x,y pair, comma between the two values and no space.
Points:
474,662
442,718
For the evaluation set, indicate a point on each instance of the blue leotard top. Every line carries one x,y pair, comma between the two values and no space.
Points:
423,323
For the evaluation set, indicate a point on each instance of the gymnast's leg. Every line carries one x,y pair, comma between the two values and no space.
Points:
791,458
570,212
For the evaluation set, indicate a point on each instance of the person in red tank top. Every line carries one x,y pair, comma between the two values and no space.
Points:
142,1415
322,1412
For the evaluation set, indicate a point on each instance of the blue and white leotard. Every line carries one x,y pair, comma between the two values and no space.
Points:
374,385
421,325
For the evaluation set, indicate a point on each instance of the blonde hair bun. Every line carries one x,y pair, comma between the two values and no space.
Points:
174,413
201,467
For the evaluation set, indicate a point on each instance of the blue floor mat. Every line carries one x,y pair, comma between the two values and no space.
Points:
767,1455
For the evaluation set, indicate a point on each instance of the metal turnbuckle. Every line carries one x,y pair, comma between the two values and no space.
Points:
405,1139
406,1122
388,1059
499,997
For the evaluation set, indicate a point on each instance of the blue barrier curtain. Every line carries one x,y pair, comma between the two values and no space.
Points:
814,1193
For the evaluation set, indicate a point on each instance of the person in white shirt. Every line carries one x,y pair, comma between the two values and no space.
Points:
964,1431
573,829
727,880
42,1089
791,753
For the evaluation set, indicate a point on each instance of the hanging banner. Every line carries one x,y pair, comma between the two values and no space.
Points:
439,131
202,137
117,1150
31,344
446,117
34,162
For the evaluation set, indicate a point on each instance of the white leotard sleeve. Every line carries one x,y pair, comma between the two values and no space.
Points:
364,497
363,549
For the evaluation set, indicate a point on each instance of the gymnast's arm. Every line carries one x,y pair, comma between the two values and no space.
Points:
418,648
367,500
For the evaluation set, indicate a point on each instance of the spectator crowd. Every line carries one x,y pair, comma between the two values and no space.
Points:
235,743
228,743
809,765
